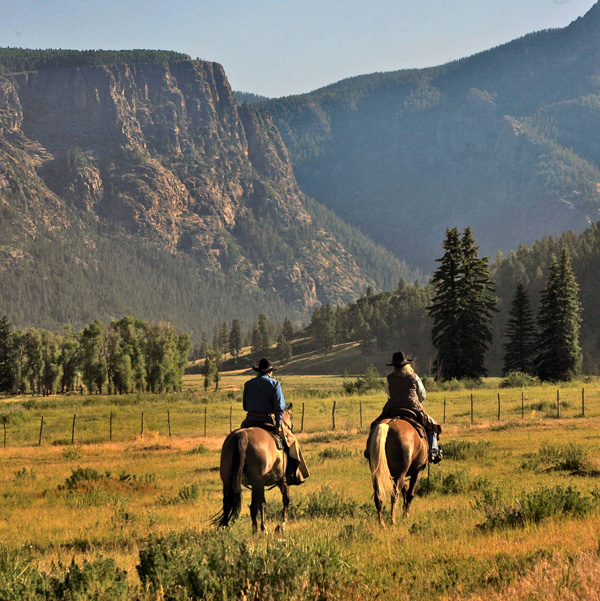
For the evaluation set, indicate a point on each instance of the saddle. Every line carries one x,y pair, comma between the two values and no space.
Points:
255,421
412,418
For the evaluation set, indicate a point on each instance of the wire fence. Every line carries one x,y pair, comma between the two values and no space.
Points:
92,424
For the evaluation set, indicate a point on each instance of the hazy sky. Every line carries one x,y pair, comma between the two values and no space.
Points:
280,47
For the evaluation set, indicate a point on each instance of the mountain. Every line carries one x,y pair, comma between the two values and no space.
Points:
131,182
505,141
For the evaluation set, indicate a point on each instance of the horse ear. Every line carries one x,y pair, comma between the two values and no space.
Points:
290,406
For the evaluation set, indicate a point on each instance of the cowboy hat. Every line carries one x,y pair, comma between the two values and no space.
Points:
399,360
264,366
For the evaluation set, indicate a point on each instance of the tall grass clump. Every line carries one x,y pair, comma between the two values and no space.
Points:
534,506
466,449
218,565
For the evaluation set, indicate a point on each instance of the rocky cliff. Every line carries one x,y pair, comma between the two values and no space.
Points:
159,151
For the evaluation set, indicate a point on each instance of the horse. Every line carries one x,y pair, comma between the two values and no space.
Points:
250,457
397,455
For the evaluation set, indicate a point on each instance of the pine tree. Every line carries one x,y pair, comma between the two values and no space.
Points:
284,349
461,308
7,369
477,307
235,339
445,308
520,334
559,322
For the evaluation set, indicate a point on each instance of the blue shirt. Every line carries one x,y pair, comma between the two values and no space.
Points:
263,394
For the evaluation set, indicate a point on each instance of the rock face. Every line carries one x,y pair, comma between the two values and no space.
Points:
160,150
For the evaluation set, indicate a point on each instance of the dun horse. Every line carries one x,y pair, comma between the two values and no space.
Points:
250,457
397,456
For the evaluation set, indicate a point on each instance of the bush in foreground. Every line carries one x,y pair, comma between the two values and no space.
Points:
217,565
534,506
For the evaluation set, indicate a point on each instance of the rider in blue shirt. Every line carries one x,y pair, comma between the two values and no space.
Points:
263,397
264,403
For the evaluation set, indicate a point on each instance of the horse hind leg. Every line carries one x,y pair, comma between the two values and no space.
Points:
285,497
400,487
410,493
257,508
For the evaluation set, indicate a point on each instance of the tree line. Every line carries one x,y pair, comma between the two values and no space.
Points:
125,355
453,316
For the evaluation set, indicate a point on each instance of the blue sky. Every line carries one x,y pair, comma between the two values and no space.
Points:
281,47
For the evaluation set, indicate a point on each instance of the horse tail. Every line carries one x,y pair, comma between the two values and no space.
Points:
232,471
383,483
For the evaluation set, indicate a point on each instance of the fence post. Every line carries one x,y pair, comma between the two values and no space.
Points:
142,434
204,421
333,415
558,403
498,406
41,431
73,429
110,420
471,408
302,422
444,409
360,406
583,402
522,405
169,421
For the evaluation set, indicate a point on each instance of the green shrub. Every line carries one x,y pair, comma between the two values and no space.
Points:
519,379
570,458
465,449
328,437
451,483
82,477
199,450
98,579
72,453
371,380
534,506
217,565
25,474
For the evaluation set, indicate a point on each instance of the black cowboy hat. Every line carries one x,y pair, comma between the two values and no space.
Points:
399,360
264,366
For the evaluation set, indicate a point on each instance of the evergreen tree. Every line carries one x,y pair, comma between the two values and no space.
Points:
224,338
284,349
559,322
520,334
477,307
235,339
287,329
7,368
445,308
263,333
461,308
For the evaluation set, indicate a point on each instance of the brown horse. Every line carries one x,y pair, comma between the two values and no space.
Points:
397,456
251,458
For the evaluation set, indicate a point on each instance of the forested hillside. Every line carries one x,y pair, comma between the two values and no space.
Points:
131,183
505,141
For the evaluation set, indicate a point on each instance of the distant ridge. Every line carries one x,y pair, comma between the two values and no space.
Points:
502,140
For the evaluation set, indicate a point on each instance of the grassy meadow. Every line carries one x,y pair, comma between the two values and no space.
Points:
511,513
